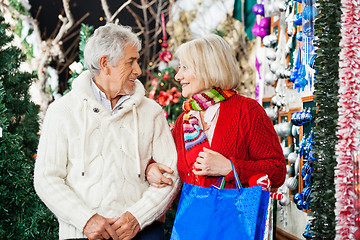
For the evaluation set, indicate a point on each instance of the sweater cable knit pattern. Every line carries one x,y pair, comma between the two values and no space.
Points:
87,161
244,134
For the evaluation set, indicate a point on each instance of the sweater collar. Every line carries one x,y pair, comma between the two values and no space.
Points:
82,88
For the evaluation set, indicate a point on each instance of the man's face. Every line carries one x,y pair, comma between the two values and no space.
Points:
125,72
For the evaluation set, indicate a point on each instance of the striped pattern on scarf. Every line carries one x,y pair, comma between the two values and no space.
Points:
193,134
202,101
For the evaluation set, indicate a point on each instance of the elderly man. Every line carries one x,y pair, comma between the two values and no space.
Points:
96,143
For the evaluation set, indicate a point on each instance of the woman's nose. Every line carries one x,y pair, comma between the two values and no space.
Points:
178,76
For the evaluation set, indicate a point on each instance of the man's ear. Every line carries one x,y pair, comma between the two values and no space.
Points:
104,64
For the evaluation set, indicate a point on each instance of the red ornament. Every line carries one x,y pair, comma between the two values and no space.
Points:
166,76
357,173
165,56
166,114
357,189
357,220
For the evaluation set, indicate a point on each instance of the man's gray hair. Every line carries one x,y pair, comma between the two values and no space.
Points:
109,40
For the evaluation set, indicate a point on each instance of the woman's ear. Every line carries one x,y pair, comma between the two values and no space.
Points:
104,64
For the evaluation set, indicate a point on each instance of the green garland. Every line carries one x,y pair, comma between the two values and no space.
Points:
327,32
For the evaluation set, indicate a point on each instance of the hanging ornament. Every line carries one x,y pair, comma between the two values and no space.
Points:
258,9
165,55
292,183
293,156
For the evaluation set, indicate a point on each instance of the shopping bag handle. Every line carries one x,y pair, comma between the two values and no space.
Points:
221,180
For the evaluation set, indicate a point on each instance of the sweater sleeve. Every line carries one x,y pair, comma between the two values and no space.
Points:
264,151
155,201
50,174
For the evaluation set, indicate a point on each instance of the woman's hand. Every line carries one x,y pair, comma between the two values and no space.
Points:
155,175
211,163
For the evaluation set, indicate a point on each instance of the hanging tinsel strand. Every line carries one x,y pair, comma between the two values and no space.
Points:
349,123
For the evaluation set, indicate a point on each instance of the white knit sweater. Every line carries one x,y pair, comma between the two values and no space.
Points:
89,161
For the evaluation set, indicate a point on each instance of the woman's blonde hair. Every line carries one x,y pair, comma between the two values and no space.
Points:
211,59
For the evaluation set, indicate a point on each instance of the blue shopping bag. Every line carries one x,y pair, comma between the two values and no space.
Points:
215,213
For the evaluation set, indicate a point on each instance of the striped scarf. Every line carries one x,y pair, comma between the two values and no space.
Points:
202,101
194,136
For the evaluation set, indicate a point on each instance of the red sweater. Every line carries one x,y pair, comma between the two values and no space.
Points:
245,134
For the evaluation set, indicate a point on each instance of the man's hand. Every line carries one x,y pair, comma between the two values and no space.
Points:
126,226
155,175
99,227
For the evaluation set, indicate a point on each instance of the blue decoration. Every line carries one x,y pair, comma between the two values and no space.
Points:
307,47
297,197
300,118
308,29
309,2
307,234
306,194
299,36
298,19
309,13
312,61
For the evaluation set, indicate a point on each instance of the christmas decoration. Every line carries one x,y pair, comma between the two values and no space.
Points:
327,35
77,67
347,150
164,89
23,215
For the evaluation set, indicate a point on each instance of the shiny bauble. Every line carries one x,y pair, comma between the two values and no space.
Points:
309,13
265,22
285,201
297,197
274,66
270,40
293,76
357,220
292,157
285,129
258,9
259,31
297,19
292,183
272,113
275,100
306,194
270,53
286,151
308,29
270,78
299,36
289,170
300,83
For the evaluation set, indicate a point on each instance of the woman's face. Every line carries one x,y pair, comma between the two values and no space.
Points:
189,84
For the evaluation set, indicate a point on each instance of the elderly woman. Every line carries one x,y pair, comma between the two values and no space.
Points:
219,125
96,142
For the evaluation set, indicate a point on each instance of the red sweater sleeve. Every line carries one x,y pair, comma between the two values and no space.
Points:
263,151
